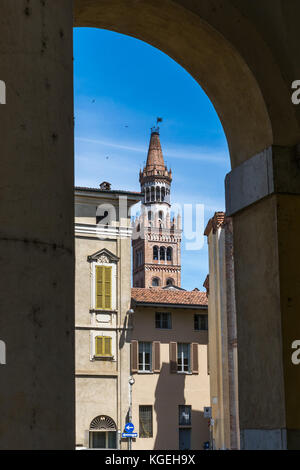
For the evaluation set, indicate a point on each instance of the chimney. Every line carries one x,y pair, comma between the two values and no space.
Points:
105,186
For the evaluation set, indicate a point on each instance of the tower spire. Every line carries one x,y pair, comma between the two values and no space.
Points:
155,168
155,159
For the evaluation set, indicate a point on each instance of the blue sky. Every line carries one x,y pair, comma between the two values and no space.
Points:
121,86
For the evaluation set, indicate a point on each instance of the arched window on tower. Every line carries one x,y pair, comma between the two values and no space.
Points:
163,194
147,194
155,282
170,282
161,219
169,253
157,193
155,253
162,253
152,193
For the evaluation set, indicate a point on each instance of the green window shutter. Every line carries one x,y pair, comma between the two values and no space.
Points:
107,287
103,287
99,286
99,345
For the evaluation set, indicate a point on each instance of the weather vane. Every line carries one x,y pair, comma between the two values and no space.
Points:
156,127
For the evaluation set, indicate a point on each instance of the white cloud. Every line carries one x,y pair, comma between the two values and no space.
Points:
200,154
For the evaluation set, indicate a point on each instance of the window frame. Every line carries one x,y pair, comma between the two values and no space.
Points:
103,338
160,327
143,370
105,333
189,407
106,432
181,357
169,253
113,265
200,316
142,435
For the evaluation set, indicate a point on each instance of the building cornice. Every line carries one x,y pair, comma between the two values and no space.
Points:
100,231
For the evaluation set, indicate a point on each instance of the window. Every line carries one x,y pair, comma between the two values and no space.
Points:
157,193
183,357
103,346
185,415
185,419
146,429
139,258
155,282
103,287
162,253
103,433
169,254
163,321
145,357
103,440
170,282
185,438
152,193
155,253
147,194
200,322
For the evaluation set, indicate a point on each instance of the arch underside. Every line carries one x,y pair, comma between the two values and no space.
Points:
238,74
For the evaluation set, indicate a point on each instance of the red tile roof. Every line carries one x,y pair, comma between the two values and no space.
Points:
162,296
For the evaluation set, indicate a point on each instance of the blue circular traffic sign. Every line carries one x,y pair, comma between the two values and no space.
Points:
129,427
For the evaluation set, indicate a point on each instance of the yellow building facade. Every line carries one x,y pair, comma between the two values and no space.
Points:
222,338
103,296
169,367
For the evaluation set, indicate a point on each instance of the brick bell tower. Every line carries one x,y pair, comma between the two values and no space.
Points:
156,239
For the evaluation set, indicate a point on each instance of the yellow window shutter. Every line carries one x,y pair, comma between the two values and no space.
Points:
99,345
107,287
107,346
99,286
103,287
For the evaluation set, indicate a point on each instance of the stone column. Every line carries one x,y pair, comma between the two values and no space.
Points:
263,195
36,220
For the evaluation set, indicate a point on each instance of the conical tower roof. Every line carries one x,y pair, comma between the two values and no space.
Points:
155,166
155,159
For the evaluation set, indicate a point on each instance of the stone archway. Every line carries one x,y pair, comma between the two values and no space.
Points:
245,57
239,63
